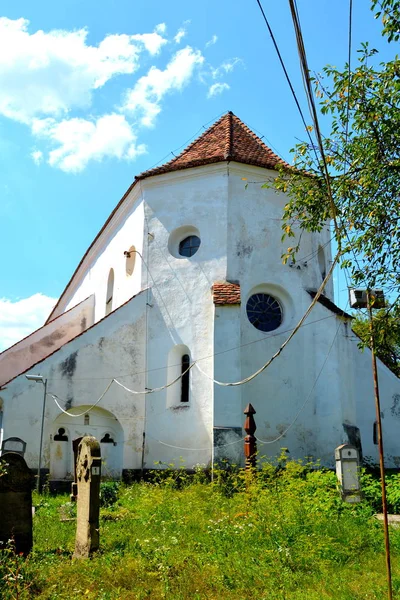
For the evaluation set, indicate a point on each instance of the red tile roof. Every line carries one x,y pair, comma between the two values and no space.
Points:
225,292
229,139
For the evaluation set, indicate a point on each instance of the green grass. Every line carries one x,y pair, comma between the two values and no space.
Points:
283,534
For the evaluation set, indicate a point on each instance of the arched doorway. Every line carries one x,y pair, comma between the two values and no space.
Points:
97,422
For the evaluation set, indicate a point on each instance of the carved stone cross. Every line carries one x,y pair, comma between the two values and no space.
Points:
88,473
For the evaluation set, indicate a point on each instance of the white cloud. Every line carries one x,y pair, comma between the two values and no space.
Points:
181,33
78,141
226,67
21,317
151,41
143,100
213,41
216,89
49,73
37,156
48,81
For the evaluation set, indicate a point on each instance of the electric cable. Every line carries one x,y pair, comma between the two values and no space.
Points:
281,348
264,442
55,398
286,73
310,98
194,449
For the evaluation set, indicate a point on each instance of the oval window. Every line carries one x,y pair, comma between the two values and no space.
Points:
189,245
264,312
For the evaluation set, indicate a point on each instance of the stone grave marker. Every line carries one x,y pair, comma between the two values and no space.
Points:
16,503
88,473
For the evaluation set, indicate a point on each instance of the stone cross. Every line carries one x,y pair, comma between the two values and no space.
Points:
88,472
16,503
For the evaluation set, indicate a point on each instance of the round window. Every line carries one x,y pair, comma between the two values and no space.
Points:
264,312
189,245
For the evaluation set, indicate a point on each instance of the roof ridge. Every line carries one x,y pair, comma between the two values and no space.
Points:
228,139
185,150
257,139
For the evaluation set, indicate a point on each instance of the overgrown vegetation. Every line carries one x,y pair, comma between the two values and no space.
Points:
360,107
283,533
386,335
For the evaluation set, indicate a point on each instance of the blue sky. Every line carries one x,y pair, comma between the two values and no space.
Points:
93,92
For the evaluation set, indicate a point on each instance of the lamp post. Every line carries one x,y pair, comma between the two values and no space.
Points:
43,380
370,299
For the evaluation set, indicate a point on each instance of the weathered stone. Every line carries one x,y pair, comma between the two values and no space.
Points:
16,503
88,473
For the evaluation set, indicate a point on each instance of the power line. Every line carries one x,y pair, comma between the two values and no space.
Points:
264,442
207,357
310,97
286,342
285,71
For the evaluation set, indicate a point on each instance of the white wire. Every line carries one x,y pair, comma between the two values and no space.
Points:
149,391
277,353
264,442
159,389
55,398
198,449
221,383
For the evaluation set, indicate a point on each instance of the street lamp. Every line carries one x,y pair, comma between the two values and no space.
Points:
40,379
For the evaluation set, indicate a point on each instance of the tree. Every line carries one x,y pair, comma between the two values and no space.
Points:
386,327
362,153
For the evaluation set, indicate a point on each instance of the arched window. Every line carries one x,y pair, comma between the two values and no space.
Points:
110,292
321,262
179,360
375,433
185,378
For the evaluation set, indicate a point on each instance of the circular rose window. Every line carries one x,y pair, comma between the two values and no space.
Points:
264,312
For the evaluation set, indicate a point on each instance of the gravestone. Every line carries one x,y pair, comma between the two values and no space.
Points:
16,503
88,473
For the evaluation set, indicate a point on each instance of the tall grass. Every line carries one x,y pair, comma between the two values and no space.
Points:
278,534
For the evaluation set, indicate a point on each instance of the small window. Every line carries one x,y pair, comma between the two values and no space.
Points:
110,292
375,433
264,312
321,262
86,419
189,245
61,436
185,378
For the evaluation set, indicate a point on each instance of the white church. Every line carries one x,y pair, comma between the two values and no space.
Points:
184,289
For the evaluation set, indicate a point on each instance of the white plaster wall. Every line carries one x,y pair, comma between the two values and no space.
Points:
254,250
124,230
78,373
182,309
389,388
45,340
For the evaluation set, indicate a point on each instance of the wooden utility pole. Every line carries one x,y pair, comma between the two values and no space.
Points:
380,447
250,443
